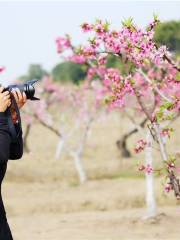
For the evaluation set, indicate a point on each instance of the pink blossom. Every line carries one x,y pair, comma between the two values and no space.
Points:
178,169
2,69
165,132
113,75
91,73
77,58
89,52
99,29
62,43
153,24
128,88
99,71
141,144
86,27
141,168
171,165
118,103
28,119
159,54
49,85
167,187
148,169
102,60
107,82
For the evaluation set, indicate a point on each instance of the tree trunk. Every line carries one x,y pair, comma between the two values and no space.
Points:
59,148
150,196
77,155
122,142
26,134
79,167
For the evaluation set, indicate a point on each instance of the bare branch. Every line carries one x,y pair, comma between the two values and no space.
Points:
154,87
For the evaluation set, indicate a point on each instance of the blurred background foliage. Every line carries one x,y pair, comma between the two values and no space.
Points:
168,33
68,71
35,71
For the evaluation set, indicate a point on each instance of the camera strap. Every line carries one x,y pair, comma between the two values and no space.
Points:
11,125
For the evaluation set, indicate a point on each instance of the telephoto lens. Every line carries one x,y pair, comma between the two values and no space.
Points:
27,87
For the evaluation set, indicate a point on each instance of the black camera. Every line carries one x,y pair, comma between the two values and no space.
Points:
27,87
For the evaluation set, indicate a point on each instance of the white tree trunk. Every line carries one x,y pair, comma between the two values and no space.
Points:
161,142
77,155
150,196
79,167
59,148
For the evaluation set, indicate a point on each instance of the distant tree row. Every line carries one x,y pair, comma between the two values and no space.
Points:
168,33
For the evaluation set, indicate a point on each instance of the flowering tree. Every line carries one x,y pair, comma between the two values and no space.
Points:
74,108
82,109
150,85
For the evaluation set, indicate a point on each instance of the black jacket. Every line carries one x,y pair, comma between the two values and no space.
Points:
7,151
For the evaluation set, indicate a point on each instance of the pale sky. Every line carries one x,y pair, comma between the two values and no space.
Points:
29,28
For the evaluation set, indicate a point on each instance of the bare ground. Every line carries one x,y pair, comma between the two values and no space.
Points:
111,225
94,211
45,202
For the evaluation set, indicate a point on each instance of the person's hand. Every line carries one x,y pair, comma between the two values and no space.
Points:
20,100
5,100
19,97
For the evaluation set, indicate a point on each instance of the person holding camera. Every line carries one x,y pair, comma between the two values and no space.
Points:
9,149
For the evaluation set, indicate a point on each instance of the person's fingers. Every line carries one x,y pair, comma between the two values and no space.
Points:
6,97
24,97
15,95
1,89
20,96
9,103
6,93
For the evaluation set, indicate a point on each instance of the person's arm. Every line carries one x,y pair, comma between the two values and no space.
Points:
16,150
4,138
4,130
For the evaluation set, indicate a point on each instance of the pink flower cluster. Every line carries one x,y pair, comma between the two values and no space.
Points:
102,60
112,76
170,165
62,43
96,71
2,69
140,146
76,58
147,169
153,24
149,75
100,28
166,132
117,87
136,44
158,55
132,44
86,27
28,119
168,187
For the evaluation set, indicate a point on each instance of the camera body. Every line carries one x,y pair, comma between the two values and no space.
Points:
27,87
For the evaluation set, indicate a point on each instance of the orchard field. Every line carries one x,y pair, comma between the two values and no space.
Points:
44,199
101,122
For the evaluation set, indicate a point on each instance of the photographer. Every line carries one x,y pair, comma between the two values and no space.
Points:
7,150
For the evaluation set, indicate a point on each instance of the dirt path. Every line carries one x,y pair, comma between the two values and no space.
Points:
111,225
98,210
